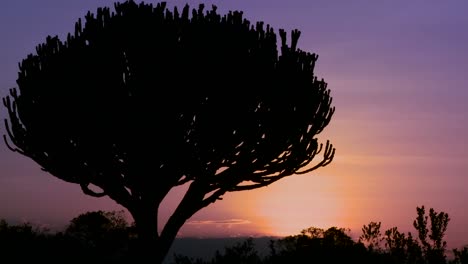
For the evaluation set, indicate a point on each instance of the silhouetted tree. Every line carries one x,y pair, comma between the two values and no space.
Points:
315,245
96,223
371,236
414,251
460,256
143,99
401,248
241,253
313,232
19,242
101,234
432,240
180,259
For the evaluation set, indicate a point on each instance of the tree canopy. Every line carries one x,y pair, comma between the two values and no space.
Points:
142,99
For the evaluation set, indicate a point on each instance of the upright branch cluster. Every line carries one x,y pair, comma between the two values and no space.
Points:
142,99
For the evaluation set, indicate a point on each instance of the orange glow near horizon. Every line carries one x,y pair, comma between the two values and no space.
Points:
298,203
295,203
365,182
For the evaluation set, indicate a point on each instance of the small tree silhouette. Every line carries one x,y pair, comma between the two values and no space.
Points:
316,245
460,255
432,240
371,236
143,99
98,235
242,252
402,248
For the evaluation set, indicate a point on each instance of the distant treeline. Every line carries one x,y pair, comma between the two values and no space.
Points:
107,237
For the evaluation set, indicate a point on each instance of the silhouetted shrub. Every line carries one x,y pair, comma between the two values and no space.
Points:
107,237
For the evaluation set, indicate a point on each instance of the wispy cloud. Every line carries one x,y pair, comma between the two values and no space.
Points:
220,222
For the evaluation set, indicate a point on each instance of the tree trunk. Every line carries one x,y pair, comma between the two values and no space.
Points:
147,244
170,231
188,206
151,247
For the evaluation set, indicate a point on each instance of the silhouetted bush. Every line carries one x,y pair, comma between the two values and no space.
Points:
107,237
334,245
97,236
460,256
21,241
316,245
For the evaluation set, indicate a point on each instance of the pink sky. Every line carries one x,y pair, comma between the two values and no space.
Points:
398,75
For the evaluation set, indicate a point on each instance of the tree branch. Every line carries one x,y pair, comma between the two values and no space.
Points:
212,198
189,205
253,186
12,138
327,158
86,190
10,147
262,179
183,181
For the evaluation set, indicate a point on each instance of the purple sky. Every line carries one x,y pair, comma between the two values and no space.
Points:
398,75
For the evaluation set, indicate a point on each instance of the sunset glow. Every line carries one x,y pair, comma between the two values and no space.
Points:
397,74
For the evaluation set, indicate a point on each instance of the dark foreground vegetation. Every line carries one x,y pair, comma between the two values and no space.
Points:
107,237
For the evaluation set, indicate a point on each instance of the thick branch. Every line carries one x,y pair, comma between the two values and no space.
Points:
190,204
213,198
86,190
183,181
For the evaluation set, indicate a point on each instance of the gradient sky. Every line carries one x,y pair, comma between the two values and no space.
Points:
398,73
